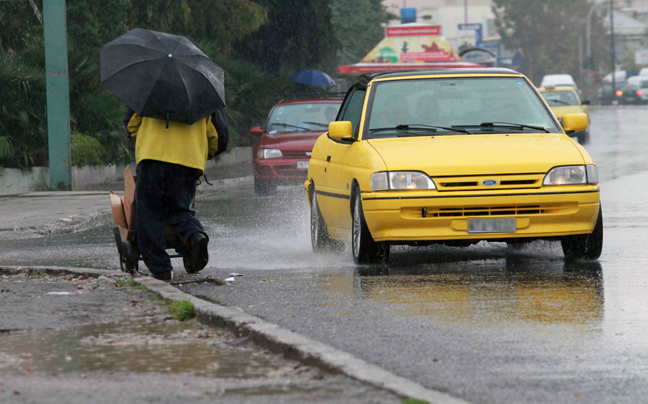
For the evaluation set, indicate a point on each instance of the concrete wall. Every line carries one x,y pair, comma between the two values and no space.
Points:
16,181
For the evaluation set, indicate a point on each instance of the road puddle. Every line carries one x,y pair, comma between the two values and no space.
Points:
136,345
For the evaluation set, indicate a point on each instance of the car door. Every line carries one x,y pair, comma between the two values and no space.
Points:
334,189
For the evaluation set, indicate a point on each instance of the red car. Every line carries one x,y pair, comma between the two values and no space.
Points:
284,146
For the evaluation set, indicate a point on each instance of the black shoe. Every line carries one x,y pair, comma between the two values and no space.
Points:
198,255
164,276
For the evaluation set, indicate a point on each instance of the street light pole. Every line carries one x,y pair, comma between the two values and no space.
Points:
612,49
588,31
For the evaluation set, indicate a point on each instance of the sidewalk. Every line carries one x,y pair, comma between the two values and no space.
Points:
78,335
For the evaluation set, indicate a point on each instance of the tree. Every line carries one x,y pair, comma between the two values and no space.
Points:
546,33
297,35
358,26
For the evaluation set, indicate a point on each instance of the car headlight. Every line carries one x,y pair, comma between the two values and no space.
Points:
572,175
401,180
269,154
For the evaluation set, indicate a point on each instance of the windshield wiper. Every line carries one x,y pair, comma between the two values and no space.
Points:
415,126
560,102
324,125
288,125
504,124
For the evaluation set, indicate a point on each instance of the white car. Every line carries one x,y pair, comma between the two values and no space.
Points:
558,80
641,82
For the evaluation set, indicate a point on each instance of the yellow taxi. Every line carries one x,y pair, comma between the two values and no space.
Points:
451,156
565,100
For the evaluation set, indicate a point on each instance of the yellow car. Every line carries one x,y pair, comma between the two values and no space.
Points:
451,156
565,100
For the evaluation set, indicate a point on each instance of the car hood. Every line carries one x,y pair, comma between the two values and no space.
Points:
478,154
303,140
567,109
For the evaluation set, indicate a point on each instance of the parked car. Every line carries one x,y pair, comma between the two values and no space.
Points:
285,142
452,156
624,94
565,100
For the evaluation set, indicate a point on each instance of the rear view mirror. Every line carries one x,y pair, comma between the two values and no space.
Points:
256,131
574,122
339,130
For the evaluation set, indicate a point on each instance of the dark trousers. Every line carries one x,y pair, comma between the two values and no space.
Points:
163,196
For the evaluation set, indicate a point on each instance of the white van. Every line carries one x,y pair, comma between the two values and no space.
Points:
558,80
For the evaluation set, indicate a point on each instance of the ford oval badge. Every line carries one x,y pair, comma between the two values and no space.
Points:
489,183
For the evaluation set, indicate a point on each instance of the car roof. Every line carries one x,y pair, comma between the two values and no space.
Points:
367,77
557,88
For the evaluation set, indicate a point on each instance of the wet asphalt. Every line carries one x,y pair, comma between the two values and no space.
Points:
488,323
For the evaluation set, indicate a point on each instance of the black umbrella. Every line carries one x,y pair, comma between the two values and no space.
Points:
162,76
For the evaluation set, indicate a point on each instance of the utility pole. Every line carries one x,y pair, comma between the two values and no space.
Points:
58,94
466,12
612,48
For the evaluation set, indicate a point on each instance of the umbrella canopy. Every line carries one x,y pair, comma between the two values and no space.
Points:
312,77
162,76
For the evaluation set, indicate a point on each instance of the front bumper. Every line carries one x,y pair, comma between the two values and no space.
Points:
436,216
281,170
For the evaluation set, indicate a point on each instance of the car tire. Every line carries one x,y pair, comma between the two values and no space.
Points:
321,240
264,187
363,247
585,246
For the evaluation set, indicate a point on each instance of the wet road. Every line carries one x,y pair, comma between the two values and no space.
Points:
488,324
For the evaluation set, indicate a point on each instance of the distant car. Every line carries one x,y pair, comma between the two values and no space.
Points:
565,100
558,80
281,154
641,81
452,156
624,94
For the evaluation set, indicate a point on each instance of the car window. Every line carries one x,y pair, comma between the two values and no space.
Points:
353,109
302,117
560,98
449,102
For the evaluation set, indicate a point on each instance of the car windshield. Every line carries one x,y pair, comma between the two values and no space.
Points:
559,98
439,106
302,117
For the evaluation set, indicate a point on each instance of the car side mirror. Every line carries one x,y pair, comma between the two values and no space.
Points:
256,131
340,130
586,102
574,122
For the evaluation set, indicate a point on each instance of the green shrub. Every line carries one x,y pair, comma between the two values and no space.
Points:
182,310
87,150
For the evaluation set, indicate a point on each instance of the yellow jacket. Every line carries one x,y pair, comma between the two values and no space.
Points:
186,145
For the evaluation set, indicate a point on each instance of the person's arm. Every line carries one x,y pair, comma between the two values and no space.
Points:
132,122
212,139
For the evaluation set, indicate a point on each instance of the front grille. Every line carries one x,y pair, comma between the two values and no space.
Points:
296,154
475,183
495,210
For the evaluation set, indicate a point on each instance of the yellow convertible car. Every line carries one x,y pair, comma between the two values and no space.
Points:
451,156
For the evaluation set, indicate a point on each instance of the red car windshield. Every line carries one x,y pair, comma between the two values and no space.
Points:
302,117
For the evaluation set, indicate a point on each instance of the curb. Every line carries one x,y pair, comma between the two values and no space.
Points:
276,338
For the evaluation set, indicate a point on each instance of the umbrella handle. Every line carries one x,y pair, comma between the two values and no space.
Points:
167,119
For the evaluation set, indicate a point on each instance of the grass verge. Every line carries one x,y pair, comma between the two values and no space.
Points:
182,310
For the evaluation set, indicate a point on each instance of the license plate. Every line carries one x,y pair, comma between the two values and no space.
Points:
302,164
504,225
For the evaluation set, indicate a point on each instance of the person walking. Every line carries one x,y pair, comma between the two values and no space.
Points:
170,158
